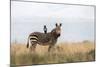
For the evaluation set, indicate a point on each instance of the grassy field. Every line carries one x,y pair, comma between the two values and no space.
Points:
63,52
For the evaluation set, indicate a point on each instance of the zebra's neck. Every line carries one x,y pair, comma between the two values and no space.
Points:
54,34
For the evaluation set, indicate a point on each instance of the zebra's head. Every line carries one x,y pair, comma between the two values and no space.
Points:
57,31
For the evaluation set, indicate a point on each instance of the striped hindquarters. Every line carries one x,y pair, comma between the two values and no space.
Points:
33,39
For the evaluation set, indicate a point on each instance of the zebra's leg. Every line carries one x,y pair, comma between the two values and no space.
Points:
50,47
33,46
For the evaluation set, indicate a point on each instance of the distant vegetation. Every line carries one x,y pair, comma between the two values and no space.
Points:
62,53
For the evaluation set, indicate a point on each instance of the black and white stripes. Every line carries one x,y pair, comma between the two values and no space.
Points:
45,38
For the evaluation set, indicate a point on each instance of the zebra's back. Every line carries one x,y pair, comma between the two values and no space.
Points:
40,37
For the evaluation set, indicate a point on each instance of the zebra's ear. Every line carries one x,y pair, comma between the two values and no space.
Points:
56,24
60,24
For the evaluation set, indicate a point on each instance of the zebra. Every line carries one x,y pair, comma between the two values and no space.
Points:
49,38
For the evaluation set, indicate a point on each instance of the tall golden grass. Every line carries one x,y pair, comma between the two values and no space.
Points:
61,53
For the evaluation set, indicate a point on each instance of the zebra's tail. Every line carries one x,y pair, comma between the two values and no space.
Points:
28,43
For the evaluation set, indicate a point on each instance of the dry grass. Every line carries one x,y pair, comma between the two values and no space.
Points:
63,52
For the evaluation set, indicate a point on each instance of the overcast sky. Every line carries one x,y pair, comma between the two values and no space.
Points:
77,21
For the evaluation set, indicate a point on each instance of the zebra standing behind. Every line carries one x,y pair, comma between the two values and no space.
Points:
49,38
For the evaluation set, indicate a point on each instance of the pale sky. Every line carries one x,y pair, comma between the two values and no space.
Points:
77,21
